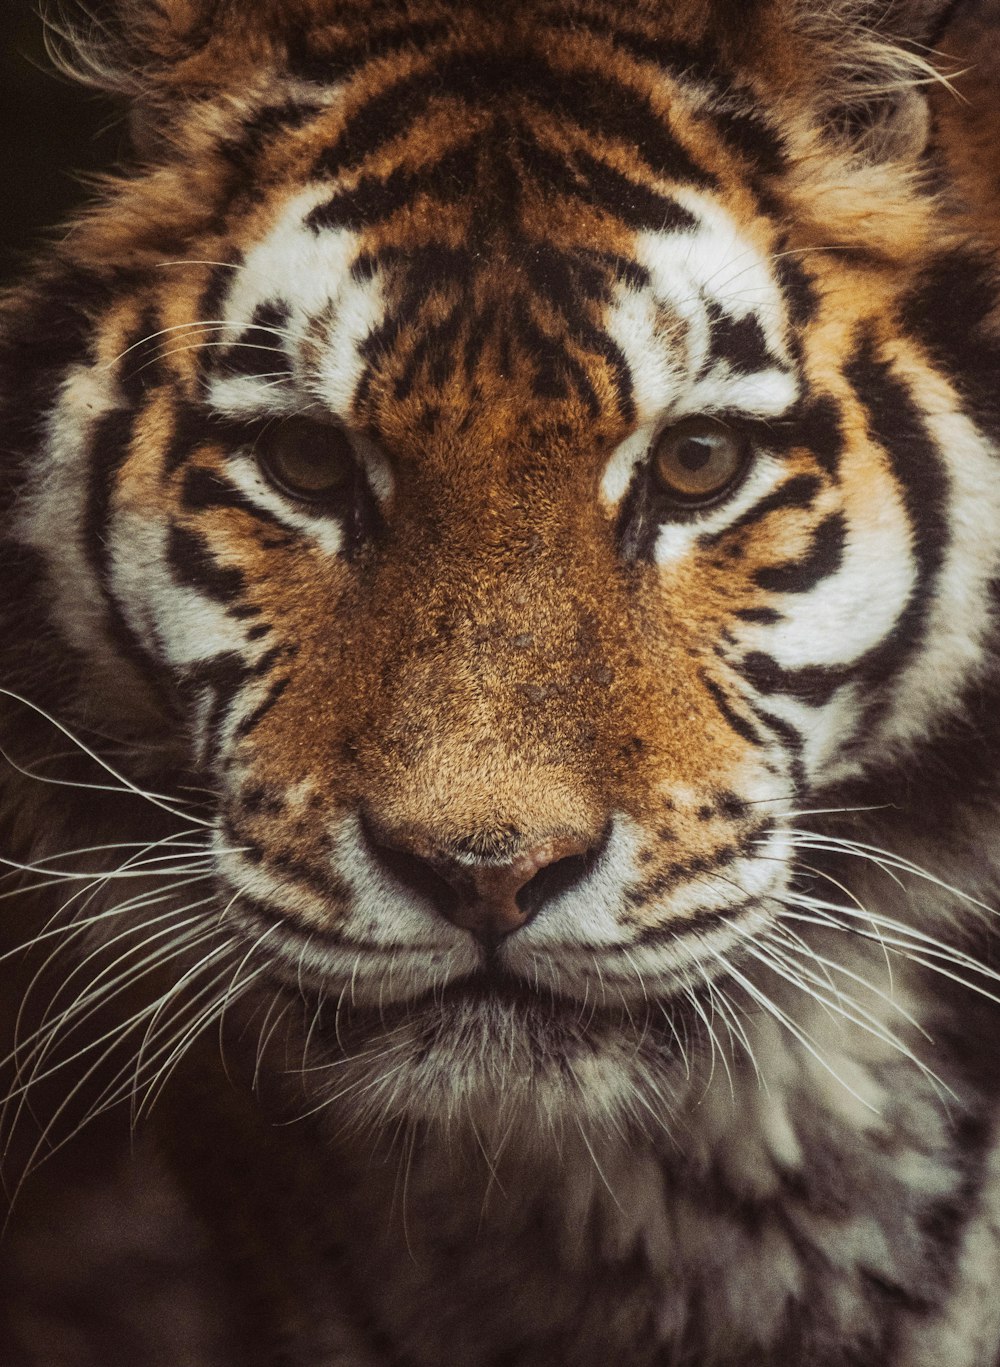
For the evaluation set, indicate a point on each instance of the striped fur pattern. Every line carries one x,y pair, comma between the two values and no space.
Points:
720,1093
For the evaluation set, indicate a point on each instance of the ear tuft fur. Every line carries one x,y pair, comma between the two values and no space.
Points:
879,66
121,45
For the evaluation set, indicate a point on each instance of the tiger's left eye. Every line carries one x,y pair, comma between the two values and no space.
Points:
309,461
698,459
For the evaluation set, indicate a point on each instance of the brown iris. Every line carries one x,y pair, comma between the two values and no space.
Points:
310,461
698,459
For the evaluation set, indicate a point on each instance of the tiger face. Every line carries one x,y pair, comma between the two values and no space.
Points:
531,485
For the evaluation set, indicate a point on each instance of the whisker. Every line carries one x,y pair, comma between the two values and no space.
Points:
758,995
199,326
101,1105
164,804
884,859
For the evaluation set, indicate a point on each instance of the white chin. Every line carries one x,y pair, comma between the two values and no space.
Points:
495,1068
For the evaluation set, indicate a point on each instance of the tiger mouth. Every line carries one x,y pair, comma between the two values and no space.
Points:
490,988
496,1004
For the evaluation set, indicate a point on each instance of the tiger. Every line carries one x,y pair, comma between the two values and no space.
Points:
499,689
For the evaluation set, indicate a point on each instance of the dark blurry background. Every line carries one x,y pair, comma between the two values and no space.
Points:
51,130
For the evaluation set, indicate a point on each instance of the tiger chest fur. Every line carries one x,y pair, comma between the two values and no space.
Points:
498,683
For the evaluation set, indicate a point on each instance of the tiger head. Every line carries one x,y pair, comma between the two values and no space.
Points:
523,457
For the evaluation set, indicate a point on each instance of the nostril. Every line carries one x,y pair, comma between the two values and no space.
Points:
417,875
551,881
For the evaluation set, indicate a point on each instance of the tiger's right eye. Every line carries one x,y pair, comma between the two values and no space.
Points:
309,461
698,460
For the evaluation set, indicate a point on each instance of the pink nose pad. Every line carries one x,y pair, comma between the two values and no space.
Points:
489,900
496,900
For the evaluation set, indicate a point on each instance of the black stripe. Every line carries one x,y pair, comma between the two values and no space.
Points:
696,923
612,109
815,424
798,288
306,61
598,343
378,121
897,425
220,282
39,340
951,312
262,126
581,382
593,182
191,430
623,268
685,871
791,739
221,678
109,451
797,492
702,63
740,343
439,338
566,278
764,616
812,684
746,131
270,658
253,719
192,562
203,489
373,200
260,800
598,105
257,350
824,558
42,335
637,529
739,724
820,428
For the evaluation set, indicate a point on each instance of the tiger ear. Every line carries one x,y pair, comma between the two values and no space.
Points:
923,22
878,63
116,45
156,52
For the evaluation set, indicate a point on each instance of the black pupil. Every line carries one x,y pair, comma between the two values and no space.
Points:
694,453
316,449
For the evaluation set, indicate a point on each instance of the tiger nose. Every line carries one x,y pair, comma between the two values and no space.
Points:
490,900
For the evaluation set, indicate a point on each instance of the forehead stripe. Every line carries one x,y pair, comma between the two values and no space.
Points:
258,352
373,200
597,106
596,183
738,342
267,122
307,63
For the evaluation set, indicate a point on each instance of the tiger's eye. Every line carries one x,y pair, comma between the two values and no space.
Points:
697,459
310,461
